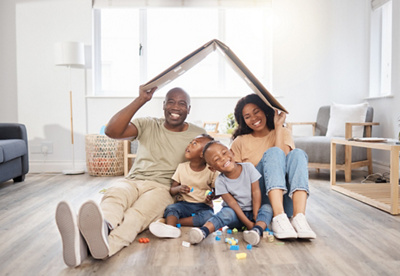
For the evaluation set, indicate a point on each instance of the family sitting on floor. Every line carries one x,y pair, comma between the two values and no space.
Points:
179,170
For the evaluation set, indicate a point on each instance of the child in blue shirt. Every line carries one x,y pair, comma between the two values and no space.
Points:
238,186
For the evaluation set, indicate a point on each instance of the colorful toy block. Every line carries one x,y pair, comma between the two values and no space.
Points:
249,247
241,256
144,240
234,247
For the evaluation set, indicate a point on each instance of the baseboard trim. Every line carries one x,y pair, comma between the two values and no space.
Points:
54,166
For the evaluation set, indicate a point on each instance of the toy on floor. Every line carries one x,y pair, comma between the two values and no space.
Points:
144,240
240,256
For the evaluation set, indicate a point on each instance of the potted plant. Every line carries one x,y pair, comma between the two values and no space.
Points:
231,123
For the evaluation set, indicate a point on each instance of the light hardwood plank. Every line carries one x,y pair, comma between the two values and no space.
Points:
353,238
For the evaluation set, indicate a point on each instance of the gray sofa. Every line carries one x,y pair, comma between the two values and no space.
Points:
318,146
14,162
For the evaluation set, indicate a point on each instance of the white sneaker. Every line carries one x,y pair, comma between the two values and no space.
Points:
163,230
94,229
75,249
303,229
195,235
282,228
251,237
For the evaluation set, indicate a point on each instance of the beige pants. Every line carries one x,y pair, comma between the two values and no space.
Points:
130,206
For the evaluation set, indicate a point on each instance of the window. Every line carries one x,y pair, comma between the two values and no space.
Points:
381,48
134,45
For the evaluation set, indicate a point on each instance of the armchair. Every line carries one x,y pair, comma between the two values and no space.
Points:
317,146
14,162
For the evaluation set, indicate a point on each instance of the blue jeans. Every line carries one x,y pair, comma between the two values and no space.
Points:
228,217
286,172
183,209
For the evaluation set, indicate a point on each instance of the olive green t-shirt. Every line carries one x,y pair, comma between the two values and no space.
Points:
160,150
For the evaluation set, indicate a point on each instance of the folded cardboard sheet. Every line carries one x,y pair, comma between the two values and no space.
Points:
199,54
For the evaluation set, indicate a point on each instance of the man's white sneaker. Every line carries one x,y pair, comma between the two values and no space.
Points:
303,229
75,249
195,235
251,237
163,230
282,228
94,229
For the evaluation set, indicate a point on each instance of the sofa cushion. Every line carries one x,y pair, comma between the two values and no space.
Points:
317,148
11,149
340,114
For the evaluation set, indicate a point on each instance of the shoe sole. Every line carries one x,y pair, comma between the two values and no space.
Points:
162,230
306,236
91,224
251,237
285,236
71,238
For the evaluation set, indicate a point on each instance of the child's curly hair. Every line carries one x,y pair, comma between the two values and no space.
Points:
243,128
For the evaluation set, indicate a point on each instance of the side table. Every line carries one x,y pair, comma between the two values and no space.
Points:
384,196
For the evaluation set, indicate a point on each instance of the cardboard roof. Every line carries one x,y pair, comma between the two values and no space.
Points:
199,54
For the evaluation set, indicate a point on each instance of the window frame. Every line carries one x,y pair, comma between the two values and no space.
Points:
143,77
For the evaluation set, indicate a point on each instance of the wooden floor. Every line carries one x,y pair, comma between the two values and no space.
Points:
353,238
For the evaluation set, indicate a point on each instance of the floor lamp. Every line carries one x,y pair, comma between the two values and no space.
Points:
71,55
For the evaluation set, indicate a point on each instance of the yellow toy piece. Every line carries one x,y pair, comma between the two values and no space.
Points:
241,256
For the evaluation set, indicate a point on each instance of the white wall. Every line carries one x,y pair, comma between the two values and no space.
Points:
320,55
8,66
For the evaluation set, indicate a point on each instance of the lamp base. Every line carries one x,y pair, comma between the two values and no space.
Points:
73,172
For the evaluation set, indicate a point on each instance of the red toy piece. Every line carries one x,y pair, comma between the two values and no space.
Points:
144,240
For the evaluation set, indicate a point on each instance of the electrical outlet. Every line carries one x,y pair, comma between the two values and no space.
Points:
47,147
44,147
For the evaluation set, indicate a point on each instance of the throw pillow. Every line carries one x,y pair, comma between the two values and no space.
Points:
342,114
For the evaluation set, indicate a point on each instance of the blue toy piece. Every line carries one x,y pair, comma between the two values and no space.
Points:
234,247
217,238
218,232
192,189
193,214
249,246
229,231
178,225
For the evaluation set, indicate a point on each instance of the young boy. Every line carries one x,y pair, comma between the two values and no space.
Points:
239,188
190,184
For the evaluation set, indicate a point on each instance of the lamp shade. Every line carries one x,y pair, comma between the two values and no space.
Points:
70,54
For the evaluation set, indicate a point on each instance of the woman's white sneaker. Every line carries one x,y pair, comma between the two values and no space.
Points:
282,228
303,229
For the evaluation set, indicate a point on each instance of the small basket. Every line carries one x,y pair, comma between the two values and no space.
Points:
104,156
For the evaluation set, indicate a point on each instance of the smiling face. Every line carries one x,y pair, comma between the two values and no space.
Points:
219,157
176,108
254,117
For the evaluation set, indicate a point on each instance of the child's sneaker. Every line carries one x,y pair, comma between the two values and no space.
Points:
282,228
251,237
302,227
163,230
74,246
94,229
195,235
